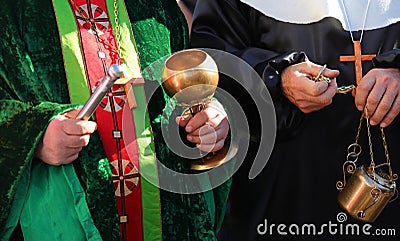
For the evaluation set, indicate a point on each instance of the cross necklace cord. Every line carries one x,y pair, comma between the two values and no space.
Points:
358,56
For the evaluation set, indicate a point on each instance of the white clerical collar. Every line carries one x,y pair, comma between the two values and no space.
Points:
381,13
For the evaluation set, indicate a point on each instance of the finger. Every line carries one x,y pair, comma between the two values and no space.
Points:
76,141
363,89
199,120
322,100
322,86
309,87
71,114
209,138
211,147
379,103
79,127
375,97
392,113
213,114
319,88
331,90
300,78
207,128
219,122
182,120
84,139
314,69
331,73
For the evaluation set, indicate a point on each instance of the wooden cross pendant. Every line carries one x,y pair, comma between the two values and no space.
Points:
357,58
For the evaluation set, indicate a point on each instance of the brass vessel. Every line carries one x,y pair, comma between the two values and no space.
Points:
366,194
191,78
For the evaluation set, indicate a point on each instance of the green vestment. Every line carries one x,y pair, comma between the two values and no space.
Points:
33,89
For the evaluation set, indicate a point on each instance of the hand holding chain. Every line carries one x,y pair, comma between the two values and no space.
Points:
340,90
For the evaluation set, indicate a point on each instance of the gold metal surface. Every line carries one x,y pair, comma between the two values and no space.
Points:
215,159
368,190
191,78
366,194
345,89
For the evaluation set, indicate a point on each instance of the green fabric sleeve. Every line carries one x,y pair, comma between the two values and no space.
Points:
40,218
21,127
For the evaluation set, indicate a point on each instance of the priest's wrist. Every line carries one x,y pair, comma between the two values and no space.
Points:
273,71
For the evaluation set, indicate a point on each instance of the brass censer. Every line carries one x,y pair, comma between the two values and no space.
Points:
369,189
191,78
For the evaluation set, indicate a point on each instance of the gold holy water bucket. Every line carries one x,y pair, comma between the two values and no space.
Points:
365,196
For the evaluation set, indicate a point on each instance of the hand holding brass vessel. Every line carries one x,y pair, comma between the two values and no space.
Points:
191,77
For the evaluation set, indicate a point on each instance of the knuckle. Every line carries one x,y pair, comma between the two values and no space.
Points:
326,101
206,148
385,106
82,128
85,140
359,101
304,103
204,114
362,87
395,86
305,109
376,119
373,101
192,138
296,85
297,97
219,145
385,79
74,157
225,132
314,92
394,112
61,124
56,162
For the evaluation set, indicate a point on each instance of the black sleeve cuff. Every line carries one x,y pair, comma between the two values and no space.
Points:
285,60
289,117
390,59
274,67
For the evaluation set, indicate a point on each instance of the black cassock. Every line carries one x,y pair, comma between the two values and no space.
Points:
298,185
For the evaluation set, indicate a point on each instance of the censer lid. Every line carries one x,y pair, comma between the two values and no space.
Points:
380,178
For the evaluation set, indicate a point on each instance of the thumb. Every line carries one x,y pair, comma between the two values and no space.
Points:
314,69
331,73
71,114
